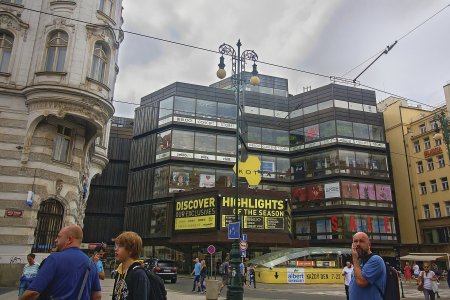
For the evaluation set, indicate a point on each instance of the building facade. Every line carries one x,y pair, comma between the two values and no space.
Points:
57,75
421,172
323,152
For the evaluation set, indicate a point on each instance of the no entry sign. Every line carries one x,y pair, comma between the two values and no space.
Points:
211,249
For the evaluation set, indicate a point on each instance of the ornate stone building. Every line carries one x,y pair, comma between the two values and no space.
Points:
58,67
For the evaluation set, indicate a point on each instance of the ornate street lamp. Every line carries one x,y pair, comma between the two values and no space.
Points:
235,289
443,120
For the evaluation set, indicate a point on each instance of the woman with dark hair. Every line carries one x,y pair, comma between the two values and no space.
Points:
30,271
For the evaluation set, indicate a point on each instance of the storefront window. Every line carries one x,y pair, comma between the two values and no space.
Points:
161,182
296,137
206,109
323,226
327,129
184,106
180,179
344,128
283,168
226,144
254,134
361,131
311,133
204,178
165,108
164,140
226,111
183,140
362,162
205,142
224,178
376,133
331,162
346,160
303,230
379,162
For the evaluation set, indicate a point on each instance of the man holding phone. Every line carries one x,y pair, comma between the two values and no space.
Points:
97,256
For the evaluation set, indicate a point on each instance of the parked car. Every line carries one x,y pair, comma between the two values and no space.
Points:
164,268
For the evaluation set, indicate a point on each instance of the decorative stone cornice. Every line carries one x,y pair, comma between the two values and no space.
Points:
62,24
10,21
105,33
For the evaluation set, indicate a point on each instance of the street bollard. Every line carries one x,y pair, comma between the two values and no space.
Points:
212,289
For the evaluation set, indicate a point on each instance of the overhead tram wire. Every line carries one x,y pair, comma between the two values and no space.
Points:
214,51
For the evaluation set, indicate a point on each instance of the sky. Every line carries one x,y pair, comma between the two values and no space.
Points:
329,37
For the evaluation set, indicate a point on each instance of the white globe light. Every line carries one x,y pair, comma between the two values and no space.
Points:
221,73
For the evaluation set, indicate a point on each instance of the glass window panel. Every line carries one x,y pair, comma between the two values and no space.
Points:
254,134
281,138
226,144
50,58
206,109
325,105
379,162
296,137
184,106
227,111
376,133
310,109
165,107
161,181
278,92
268,166
224,178
355,106
283,167
362,160
5,60
182,140
346,159
281,114
204,178
266,112
327,129
251,110
298,167
360,131
180,178
164,140
61,59
296,113
311,133
344,128
341,104
205,142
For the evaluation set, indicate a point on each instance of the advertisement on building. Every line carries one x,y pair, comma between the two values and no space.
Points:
295,275
257,213
199,213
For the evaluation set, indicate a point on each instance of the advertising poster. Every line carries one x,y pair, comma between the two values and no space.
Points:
180,179
268,169
158,220
315,192
383,192
350,190
207,180
298,194
199,213
332,190
367,191
295,275
257,213
298,168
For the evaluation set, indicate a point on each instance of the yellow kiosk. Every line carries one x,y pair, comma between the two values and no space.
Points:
301,265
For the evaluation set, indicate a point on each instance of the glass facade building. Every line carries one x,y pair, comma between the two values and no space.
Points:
324,147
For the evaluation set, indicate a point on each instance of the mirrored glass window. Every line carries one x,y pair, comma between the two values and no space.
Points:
360,131
226,111
165,107
205,142
311,133
344,128
183,140
184,106
327,129
226,144
206,109
296,137
254,134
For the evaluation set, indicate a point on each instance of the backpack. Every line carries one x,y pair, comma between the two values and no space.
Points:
157,288
392,291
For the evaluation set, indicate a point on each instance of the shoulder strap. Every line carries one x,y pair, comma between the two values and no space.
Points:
86,275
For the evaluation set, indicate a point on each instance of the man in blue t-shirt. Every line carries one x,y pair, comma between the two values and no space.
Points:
196,272
97,256
62,275
369,271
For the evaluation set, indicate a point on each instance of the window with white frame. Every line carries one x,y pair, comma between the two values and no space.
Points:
419,167
106,7
430,164
417,146
100,62
423,188
426,211
441,161
447,208
422,128
62,144
427,143
56,51
437,142
6,44
444,182
433,184
437,210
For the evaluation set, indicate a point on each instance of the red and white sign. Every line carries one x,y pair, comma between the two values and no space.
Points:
211,249
243,245
13,213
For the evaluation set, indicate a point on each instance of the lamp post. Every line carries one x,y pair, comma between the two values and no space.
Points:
443,120
235,289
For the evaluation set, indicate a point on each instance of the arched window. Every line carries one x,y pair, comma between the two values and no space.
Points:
56,51
100,62
49,223
6,44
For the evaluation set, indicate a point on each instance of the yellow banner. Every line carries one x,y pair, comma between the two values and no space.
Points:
195,222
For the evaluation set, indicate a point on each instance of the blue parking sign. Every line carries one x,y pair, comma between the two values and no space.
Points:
234,230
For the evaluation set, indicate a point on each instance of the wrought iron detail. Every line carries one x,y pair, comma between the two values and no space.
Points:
49,223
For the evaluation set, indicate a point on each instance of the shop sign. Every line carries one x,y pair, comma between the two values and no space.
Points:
433,151
13,213
250,170
304,263
295,275
332,190
195,213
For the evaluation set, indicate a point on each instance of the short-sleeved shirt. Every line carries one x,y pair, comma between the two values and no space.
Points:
99,266
427,279
30,271
347,274
62,275
374,271
197,268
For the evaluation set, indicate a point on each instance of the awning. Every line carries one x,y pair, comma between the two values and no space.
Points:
425,256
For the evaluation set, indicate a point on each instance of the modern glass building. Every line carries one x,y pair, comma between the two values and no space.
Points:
323,152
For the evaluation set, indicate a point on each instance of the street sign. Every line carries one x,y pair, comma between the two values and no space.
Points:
244,237
234,230
243,253
243,245
250,170
211,249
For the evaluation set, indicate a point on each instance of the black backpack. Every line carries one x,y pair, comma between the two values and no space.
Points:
157,287
392,291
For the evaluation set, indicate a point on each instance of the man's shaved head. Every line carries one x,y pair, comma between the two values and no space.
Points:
69,237
75,231
361,244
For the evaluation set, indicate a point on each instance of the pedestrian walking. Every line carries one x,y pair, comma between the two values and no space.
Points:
29,272
224,270
96,257
67,273
426,279
203,274
251,275
416,271
196,273
369,271
130,281
347,273
407,270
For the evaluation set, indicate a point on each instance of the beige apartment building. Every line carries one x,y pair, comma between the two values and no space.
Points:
421,171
